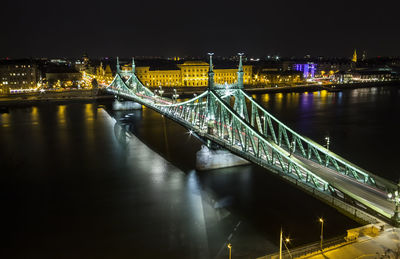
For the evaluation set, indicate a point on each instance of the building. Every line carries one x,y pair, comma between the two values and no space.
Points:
270,77
189,73
63,77
18,74
367,75
308,69
102,75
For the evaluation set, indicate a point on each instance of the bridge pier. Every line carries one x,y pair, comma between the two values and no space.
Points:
119,105
208,159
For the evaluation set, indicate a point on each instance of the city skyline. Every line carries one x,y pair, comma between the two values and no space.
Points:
176,28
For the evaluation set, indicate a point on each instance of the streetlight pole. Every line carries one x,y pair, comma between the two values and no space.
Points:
327,142
161,91
280,246
230,250
291,148
395,197
175,96
322,231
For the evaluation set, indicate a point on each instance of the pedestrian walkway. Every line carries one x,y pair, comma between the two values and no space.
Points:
370,241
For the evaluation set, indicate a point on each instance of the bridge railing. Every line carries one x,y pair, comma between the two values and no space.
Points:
255,129
211,115
309,249
305,147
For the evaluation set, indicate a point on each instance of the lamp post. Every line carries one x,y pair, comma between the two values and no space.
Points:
230,250
175,96
287,240
280,245
327,139
395,197
321,220
161,91
291,148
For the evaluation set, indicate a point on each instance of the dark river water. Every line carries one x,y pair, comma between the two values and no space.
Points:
78,182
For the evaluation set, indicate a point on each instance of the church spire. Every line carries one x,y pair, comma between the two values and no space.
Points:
354,59
133,65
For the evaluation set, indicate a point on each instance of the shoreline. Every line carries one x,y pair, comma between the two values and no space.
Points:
58,100
187,92
184,92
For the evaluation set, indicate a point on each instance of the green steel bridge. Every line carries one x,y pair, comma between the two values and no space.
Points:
227,116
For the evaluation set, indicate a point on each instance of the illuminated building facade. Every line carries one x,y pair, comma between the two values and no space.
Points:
364,76
308,69
102,75
190,73
267,77
18,74
63,77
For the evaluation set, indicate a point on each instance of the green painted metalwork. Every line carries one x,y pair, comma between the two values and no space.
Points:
220,114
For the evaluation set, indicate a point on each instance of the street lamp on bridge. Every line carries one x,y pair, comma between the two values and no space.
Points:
175,96
395,197
327,139
161,91
292,147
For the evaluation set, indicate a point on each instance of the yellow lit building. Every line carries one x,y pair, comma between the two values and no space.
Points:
190,73
102,76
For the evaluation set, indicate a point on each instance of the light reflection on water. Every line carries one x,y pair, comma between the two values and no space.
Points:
61,116
5,120
97,172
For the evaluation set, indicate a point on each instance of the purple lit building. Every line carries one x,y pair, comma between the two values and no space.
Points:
308,69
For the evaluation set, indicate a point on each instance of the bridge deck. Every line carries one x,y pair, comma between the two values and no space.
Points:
244,134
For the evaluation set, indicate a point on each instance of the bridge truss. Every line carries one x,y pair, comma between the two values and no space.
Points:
228,116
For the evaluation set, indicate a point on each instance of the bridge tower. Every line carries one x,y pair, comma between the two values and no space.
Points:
210,107
210,73
240,100
240,72
118,67
133,66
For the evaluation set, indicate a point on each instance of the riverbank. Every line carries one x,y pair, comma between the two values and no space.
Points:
187,92
27,99
184,92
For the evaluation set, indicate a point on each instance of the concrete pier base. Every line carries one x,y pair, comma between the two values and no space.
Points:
126,105
207,159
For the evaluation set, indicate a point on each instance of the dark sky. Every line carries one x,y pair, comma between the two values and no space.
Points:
177,27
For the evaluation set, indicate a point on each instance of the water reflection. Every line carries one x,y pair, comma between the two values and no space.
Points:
306,102
90,116
61,116
35,116
121,134
265,98
5,120
124,185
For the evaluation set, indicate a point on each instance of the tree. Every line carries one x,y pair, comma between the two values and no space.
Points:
95,84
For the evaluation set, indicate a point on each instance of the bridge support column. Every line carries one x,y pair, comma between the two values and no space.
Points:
208,159
119,105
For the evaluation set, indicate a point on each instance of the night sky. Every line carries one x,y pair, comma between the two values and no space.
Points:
178,28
